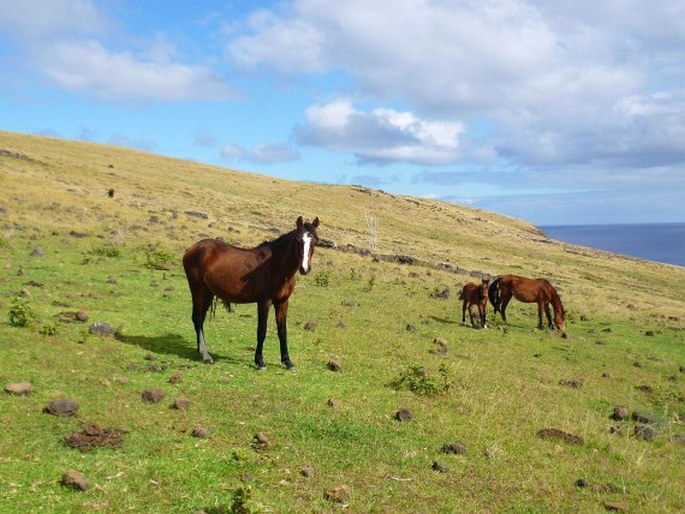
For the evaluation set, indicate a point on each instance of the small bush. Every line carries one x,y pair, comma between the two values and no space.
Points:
21,313
159,259
106,251
242,502
322,279
417,380
49,329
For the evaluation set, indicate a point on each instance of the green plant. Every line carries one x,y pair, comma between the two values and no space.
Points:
416,379
21,313
106,251
242,501
322,279
159,259
49,329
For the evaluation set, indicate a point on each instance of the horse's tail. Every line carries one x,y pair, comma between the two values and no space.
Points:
493,294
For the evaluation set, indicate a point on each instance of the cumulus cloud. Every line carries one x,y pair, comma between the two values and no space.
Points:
64,40
89,67
559,82
382,135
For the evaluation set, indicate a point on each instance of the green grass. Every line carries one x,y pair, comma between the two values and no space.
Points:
376,319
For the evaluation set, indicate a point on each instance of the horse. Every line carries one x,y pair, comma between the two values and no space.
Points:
264,275
475,295
527,290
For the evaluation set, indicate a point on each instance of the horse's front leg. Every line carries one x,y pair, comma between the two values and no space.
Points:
262,317
281,309
549,317
540,309
483,314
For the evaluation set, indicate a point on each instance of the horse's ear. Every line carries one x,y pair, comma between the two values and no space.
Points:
299,222
315,223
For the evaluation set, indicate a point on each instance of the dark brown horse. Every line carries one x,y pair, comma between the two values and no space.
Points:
528,290
475,295
264,275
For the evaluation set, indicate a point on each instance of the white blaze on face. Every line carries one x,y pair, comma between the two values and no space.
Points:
306,246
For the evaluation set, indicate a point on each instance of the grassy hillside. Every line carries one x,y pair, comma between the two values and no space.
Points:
73,255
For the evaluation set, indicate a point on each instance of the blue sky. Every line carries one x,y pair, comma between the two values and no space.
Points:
553,111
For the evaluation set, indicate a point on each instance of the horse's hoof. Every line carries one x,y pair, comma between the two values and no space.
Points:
208,359
261,368
288,365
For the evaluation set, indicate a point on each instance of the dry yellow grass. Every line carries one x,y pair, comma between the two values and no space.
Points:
63,184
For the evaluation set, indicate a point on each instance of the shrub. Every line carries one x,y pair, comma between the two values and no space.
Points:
159,259
417,380
21,313
106,251
49,329
322,279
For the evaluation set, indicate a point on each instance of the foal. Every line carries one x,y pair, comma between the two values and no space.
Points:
475,295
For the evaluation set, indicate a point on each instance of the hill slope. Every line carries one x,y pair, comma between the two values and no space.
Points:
68,246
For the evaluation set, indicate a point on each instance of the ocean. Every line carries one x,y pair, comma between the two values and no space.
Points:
661,242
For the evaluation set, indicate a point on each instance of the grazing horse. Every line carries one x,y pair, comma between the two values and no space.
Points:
264,275
475,295
527,290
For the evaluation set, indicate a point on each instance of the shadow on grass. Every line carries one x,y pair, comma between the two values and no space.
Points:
171,344
443,320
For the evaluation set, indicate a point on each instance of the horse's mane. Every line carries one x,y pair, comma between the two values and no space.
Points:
280,242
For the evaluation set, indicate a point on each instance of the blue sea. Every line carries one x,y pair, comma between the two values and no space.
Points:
661,242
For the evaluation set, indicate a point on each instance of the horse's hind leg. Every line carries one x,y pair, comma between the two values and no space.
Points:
463,312
202,300
541,308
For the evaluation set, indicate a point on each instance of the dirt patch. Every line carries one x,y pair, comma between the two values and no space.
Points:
93,437
555,433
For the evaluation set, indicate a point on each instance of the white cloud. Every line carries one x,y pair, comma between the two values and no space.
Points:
88,66
553,78
32,20
382,135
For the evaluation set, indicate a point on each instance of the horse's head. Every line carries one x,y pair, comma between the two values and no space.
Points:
559,320
307,239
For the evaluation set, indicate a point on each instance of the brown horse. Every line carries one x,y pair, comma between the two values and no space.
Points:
527,290
264,275
475,295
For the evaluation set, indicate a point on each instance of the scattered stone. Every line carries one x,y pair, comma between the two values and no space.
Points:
153,395
645,432
454,448
441,295
679,439
410,328
583,317
201,432
649,333
19,388
440,347
150,357
564,335
310,326
404,415
121,380
333,404
617,431
181,403
81,316
176,378
246,477
440,468
581,483
620,413
307,472
261,442
333,366
637,364
154,368
606,375
62,408
614,506
575,383
102,329
555,433
645,388
644,418
93,437
340,494
74,480
38,252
